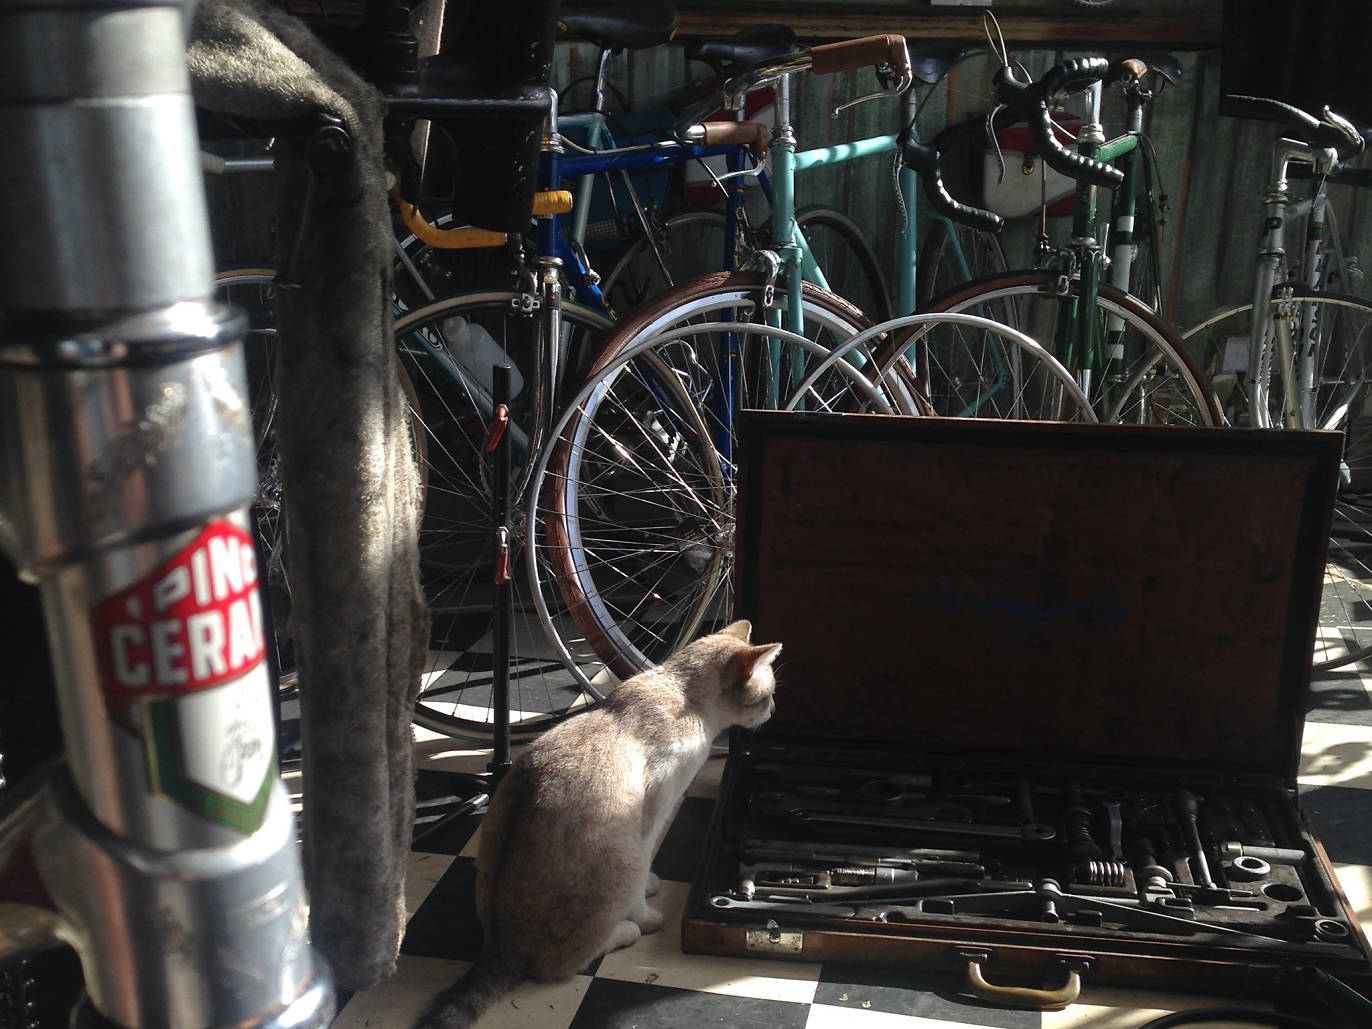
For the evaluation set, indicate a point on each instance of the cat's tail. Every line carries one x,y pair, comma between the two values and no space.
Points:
461,1004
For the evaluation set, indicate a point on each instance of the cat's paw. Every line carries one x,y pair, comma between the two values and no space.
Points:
653,886
625,934
649,920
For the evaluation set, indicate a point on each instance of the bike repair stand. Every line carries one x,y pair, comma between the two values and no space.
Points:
483,785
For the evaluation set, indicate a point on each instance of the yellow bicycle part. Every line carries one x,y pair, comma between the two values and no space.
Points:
548,202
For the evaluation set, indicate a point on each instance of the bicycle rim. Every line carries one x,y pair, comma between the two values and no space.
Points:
1340,330
1141,374
692,245
636,600
456,539
949,246
845,258
251,290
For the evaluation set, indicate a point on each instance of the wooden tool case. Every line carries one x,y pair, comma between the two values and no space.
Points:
1040,705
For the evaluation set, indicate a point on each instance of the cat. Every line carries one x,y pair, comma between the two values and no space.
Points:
563,870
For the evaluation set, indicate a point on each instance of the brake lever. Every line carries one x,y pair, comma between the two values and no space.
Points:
903,83
1349,130
995,142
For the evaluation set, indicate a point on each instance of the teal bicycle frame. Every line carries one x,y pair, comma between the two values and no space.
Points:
798,263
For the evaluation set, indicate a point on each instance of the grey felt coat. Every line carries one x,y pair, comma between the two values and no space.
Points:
351,488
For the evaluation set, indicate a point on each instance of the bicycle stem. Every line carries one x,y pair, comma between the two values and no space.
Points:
163,847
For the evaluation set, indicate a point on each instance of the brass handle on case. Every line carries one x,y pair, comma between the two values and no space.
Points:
1024,996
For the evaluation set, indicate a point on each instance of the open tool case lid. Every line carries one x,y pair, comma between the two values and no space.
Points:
1119,596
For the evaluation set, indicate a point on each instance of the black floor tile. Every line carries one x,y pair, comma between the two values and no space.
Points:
679,855
437,796
610,1004
1342,818
445,926
906,991
1339,696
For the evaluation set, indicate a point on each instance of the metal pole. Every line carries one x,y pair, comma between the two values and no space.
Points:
504,599
165,841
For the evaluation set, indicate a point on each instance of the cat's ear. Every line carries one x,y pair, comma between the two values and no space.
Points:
740,629
751,660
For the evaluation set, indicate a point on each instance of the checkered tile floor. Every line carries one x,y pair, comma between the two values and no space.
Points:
652,985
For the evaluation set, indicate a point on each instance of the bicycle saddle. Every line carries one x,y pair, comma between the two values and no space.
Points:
620,27
744,49
930,62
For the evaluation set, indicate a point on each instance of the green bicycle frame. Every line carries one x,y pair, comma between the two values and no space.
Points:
1080,342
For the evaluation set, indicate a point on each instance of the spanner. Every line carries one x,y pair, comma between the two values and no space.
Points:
801,907
1034,831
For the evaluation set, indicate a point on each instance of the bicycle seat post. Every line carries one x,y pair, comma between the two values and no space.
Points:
164,841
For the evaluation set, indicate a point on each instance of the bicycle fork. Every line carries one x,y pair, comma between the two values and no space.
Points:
163,847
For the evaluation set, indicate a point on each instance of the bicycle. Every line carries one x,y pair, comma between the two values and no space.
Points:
637,579
1130,363
1297,355
445,351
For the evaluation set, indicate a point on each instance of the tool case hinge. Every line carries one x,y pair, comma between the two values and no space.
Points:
772,939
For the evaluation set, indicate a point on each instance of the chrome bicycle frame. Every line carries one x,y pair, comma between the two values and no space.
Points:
163,847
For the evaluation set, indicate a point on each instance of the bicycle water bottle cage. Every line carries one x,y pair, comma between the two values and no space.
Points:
743,50
647,23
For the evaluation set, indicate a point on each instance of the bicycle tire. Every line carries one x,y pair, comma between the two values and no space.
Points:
635,601
1156,380
693,245
939,270
850,266
457,546
1342,326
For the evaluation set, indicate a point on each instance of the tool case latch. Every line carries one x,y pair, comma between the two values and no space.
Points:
772,939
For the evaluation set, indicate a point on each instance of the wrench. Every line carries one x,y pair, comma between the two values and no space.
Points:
782,804
1034,831
1188,808
803,907
849,853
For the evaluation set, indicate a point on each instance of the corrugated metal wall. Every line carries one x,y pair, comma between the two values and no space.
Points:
1213,169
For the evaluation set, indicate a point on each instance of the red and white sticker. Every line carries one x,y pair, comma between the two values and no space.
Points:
192,623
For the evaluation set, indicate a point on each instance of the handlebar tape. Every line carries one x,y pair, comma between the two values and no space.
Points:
752,134
1030,101
859,53
926,161
1299,123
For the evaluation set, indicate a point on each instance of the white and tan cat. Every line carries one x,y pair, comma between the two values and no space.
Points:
563,872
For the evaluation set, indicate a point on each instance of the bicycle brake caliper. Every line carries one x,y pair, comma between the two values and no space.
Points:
771,264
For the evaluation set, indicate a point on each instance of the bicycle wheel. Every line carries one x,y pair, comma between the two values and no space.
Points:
631,510
447,348
951,255
1336,329
1150,378
1340,329
251,289
691,245
1030,357
850,268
